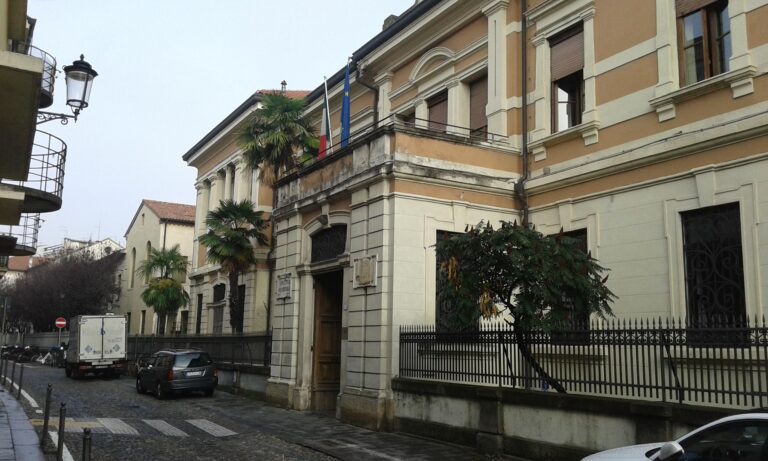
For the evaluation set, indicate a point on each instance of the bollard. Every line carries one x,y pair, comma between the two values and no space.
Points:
60,447
46,414
86,444
21,380
5,370
13,376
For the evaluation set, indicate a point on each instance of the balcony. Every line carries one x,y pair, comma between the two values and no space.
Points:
22,92
42,190
21,239
401,148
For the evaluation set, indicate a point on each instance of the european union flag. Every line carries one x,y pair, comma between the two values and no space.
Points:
345,110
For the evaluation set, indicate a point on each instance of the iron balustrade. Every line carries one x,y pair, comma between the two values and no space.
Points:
716,364
49,70
24,234
251,350
46,166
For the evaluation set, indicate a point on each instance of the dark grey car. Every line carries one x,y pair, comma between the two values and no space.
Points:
169,371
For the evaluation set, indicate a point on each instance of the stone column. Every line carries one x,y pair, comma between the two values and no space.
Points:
215,195
458,108
498,54
201,206
228,182
242,180
588,72
422,113
542,92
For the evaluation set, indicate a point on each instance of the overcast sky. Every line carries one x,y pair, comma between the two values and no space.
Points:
169,71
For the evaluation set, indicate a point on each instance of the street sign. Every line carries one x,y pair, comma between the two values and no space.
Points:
61,322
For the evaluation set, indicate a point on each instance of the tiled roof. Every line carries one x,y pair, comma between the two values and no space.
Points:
292,94
175,212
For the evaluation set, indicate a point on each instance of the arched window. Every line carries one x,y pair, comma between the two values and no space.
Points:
132,268
149,250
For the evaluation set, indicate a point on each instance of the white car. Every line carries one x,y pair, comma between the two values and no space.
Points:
734,438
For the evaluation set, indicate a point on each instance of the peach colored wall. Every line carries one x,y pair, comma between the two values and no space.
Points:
459,153
619,25
634,76
757,27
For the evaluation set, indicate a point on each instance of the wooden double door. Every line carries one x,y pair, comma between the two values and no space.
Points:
326,348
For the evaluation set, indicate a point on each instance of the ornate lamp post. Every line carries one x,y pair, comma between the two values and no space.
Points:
79,78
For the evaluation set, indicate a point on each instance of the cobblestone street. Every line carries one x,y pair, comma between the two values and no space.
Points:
127,425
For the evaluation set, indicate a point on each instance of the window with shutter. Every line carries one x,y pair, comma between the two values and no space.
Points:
704,36
478,99
567,64
438,112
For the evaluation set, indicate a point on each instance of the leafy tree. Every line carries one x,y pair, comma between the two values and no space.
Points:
231,227
165,269
533,280
77,284
276,134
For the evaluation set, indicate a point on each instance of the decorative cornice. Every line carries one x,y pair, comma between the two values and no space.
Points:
494,7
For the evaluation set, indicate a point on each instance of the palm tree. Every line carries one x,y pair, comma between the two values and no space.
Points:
164,293
275,134
230,229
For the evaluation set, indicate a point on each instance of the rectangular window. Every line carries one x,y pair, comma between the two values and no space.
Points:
218,292
438,112
714,269
576,324
704,34
442,306
567,65
128,323
478,99
184,322
218,320
199,319
143,322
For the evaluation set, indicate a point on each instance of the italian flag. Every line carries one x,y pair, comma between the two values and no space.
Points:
325,128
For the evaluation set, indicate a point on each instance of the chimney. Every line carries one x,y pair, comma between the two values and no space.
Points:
389,21
283,85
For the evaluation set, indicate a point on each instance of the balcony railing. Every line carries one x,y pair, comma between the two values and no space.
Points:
21,239
49,71
420,126
46,174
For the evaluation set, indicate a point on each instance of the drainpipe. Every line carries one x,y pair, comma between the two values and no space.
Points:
521,193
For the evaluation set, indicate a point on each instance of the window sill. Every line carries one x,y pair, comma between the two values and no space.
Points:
215,304
740,81
587,131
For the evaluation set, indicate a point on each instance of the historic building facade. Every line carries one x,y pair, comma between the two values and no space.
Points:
637,125
223,174
155,225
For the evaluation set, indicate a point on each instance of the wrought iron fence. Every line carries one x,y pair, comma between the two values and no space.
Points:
224,349
717,363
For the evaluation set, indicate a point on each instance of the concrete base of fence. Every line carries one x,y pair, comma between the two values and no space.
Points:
538,425
245,380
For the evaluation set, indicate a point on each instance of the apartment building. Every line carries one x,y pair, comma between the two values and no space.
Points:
637,126
223,174
158,225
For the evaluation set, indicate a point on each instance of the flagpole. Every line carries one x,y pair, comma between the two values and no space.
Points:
328,115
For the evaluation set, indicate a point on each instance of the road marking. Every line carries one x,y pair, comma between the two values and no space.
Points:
65,454
117,426
165,428
29,398
211,428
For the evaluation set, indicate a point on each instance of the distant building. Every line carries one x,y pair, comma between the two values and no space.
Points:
97,249
154,225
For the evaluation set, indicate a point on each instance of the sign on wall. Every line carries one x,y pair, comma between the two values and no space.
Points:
365,271
284,286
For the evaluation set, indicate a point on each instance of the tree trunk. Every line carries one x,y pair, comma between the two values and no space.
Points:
522,345
235,309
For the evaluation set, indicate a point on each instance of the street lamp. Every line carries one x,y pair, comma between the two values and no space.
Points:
79,79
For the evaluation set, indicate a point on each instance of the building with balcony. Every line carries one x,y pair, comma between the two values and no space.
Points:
159,225
636,126
223,173
31,161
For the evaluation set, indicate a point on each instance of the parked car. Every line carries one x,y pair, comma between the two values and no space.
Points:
170,371
741,437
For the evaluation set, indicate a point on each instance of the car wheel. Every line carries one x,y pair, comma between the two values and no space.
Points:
208,392
160,393
139,387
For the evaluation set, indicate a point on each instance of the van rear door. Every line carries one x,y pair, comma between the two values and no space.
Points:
114,337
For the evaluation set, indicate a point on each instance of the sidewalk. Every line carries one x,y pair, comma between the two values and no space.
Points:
18,440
